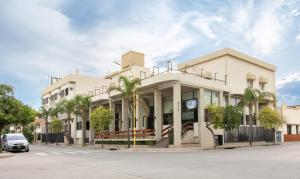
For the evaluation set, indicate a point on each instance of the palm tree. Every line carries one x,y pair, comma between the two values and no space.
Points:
82,108
67,107
128,92
46,112
251,97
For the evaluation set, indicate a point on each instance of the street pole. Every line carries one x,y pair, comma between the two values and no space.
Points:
134,120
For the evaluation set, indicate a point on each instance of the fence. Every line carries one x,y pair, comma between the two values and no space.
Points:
52,138
242,134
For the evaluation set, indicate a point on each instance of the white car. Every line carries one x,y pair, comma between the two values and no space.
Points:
15,142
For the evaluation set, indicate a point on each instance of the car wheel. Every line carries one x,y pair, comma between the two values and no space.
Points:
27,150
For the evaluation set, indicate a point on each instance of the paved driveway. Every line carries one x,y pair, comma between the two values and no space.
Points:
71,162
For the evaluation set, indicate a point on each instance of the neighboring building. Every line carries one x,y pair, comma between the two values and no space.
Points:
176,98
67,88
291,128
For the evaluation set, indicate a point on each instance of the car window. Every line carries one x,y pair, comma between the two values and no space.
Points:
15,137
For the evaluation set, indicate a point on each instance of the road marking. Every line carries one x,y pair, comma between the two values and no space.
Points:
43,154
65,152
56,153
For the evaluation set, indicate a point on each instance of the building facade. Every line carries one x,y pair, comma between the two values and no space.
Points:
171,101
176,98
291,128
67,88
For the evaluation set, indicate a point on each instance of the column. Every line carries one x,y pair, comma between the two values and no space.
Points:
91,131
201,107
157,114
222,103
124,115
112,106
139,113
75,129
177,114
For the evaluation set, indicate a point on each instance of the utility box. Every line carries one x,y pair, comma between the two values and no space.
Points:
132,58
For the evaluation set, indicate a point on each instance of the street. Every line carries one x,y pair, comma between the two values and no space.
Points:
281,161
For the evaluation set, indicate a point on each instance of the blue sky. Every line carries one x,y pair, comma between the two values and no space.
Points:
42,38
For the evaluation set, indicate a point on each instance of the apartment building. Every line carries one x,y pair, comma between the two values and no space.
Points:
175,98
67,88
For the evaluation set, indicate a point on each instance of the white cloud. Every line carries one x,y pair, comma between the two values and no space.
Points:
288,79
204,25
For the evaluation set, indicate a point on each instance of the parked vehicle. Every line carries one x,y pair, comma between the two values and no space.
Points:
15,142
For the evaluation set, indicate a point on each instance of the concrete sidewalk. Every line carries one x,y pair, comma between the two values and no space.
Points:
6,155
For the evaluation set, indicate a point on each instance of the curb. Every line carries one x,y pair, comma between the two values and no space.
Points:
6,155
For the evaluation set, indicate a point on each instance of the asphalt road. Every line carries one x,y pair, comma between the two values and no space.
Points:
44,162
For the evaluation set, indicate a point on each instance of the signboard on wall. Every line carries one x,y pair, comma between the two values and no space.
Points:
191,104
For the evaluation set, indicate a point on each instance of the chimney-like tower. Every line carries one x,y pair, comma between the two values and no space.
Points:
132,58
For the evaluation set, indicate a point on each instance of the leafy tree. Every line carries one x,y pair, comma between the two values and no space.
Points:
82,108
46,113
67,107
251,97
7,108
214,118
57,126
101,119
26,115
128,92
270,119
232,117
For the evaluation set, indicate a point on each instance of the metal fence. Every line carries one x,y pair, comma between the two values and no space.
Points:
242,134
52,137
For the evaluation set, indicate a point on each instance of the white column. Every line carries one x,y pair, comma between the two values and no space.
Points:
91,131
139,113
222,103
113,122
124,115
177,114
201,107
75,129
157,114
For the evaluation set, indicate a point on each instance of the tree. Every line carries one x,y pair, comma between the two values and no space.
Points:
46,113
270,119
251,97
67,107
7,108
232,117
57,127
101,119
128,92
82,108
214,118
26,115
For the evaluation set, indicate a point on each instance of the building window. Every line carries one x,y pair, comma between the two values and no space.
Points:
289,129
211,97
262,86
66,91
248,122
234,101
250,83
297,129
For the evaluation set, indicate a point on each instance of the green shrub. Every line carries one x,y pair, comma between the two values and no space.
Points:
28,134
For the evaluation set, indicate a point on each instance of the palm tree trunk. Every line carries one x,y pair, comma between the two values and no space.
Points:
128,121
102,139
0,140
251,126
273,130
83,129
56,135
46,125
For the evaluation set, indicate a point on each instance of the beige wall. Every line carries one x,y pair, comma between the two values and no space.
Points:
291,115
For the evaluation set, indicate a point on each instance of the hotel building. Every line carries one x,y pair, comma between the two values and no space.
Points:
174,99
